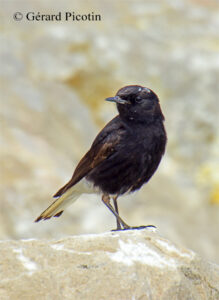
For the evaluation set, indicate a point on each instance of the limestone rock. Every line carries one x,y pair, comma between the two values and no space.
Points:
117,265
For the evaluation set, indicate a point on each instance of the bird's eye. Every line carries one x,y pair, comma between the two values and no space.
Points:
138,99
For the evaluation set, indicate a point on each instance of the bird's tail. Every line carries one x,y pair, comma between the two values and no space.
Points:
57,207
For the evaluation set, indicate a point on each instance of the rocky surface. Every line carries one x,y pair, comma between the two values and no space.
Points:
119,265
53,79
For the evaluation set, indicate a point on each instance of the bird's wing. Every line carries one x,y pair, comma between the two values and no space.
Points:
102,147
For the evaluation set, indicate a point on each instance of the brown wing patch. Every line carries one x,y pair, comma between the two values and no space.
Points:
92,158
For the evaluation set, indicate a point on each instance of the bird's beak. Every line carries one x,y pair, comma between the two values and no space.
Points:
117,99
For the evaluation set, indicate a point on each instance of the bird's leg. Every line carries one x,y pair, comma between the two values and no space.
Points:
106,201
117,211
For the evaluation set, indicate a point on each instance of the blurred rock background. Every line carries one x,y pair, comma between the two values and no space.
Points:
54,77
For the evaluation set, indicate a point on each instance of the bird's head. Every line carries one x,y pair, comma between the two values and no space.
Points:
137,103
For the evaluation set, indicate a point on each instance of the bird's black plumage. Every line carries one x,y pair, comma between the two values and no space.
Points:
127,151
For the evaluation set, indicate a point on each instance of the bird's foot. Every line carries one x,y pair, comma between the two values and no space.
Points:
139,227
117,229
134,227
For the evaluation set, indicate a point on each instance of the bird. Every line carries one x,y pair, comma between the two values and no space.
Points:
123,157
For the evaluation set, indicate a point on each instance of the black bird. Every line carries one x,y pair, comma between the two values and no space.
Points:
123,156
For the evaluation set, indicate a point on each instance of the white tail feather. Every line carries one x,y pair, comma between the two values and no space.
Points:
69,197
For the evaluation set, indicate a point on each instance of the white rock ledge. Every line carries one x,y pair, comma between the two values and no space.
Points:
115,265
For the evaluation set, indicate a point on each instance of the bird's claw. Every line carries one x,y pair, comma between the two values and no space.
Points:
134,228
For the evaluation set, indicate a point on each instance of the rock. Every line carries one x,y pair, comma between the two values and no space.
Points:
115,265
